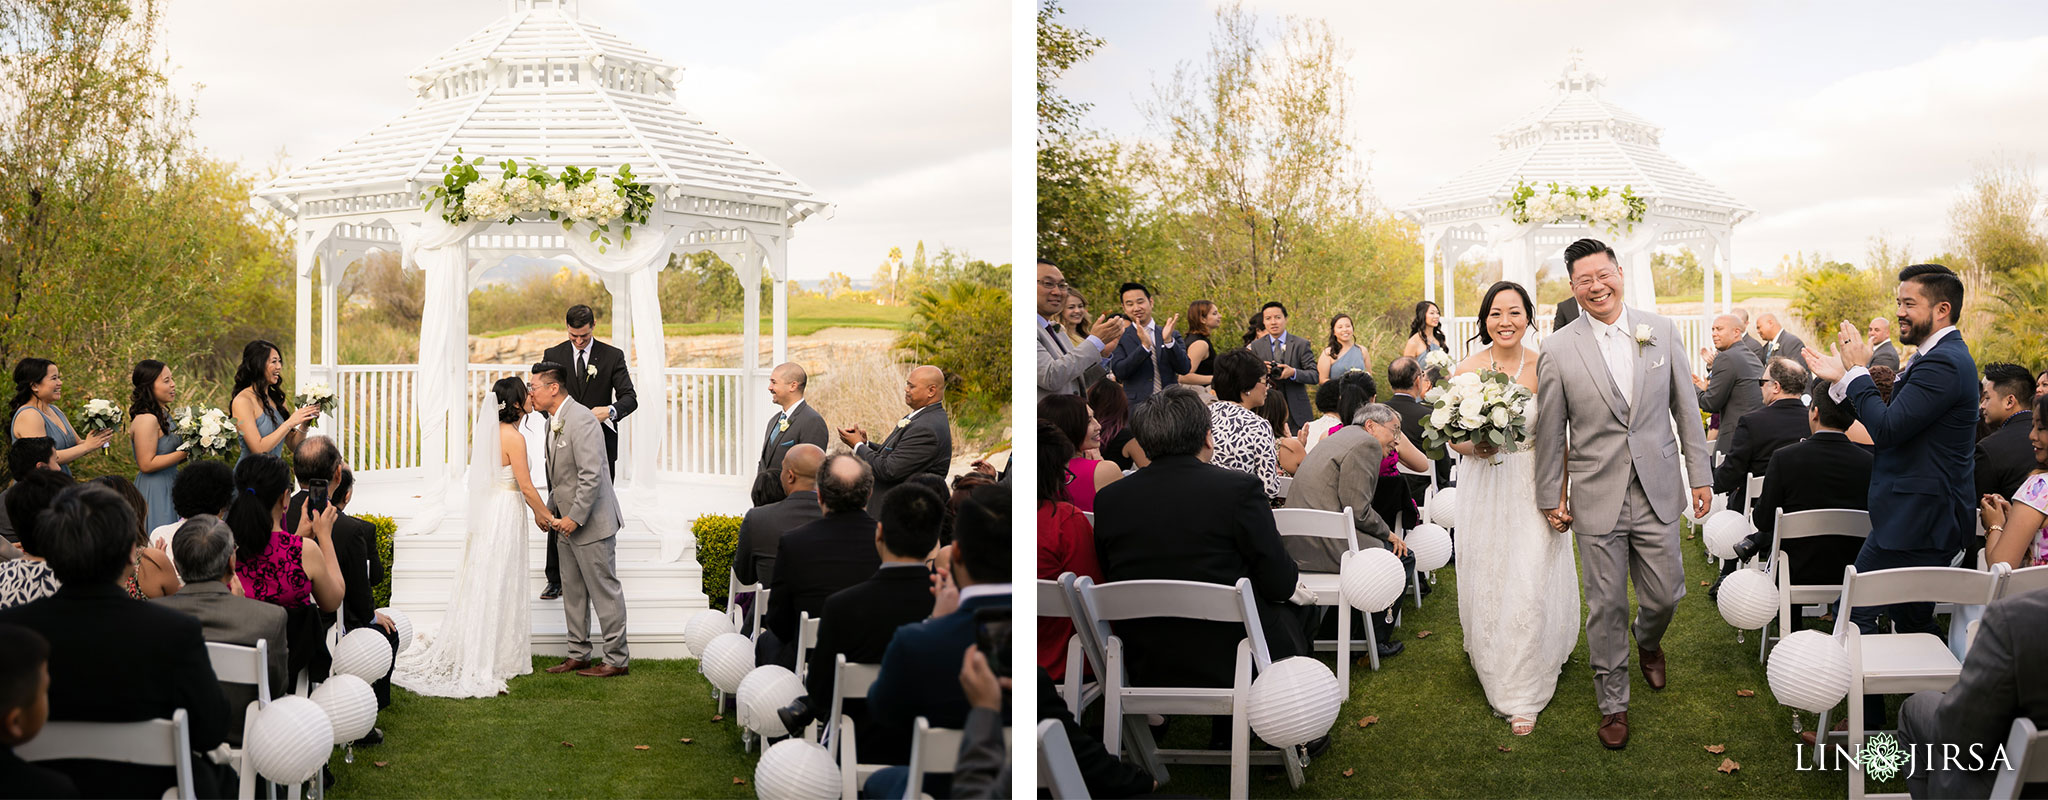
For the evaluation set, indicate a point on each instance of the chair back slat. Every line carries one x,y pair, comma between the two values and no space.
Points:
2027,753
1057,768
2022,581
1916,585
152,743
1823,522
233,663
1052,598
935,750
1121,600
1317,524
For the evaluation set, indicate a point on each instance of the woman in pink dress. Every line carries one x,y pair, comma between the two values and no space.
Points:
1089,472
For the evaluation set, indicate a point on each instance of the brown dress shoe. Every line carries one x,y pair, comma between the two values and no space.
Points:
1841,726
568,665
1653,667
603,671
1614,730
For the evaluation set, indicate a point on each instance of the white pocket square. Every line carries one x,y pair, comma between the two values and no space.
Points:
1660,362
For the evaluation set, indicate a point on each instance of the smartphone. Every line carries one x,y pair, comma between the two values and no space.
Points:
316,495
992,635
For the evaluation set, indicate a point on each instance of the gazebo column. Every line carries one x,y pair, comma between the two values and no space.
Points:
302,332
1728,278
751,396
1429,250
1708,265
331,268
778,268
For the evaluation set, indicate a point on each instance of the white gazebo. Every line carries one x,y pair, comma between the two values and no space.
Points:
1577,139
543,85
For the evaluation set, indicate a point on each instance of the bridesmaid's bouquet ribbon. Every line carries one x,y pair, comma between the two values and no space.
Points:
208,432
1485,405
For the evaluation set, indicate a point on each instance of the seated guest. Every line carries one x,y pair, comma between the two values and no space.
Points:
24,706
30,578
1113,412
24,457
1998,684
964,485
149,572
2005,458
761,530
918,677
1183,520
1242,439
355,549
1345,472
2016,530
1825,471
1411,384
938,487
1085,475
206,548
1287,449
300,572
1326,421
1105,775
1066,542
1758,435
205,486
116,660
815,561
861,619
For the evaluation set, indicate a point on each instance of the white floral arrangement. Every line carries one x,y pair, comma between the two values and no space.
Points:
100,415
574,195
208,432
1437,360
1599,206
317,394
1486,405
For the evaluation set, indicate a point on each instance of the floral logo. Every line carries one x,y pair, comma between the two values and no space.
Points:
1882,757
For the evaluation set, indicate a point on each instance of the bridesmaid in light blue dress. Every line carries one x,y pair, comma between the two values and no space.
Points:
34,412
259,405
1426,333
156,447
1344,354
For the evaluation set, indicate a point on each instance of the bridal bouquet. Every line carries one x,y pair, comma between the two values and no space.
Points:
1478,406
99,415
317,394
208,432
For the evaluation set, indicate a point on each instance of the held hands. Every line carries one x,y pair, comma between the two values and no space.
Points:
1484,448
545,523
99,438
302,416
1992,510
565,525
852,436
1108,329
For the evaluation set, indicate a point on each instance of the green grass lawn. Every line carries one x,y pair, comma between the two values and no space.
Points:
807,315
1744,290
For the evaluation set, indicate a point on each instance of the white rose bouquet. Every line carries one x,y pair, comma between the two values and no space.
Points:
208,432
100,415
1437,360
1484,406
317,394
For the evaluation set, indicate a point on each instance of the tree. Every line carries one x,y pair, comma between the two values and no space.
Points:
1994,225
1089,219
1832,292
964,328
1676,273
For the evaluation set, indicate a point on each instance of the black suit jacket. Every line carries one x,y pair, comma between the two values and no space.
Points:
806,426
924,445
2006,457
1217,528
1756,436
116,659
812,563
860,621
355,549
920,677
1824,471
1413,412
611,386
753,559
1567,310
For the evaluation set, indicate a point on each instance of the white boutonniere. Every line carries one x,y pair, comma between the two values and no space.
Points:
555,425
903,422
1644,337
590,370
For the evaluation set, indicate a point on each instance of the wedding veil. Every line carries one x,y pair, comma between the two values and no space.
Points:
485,451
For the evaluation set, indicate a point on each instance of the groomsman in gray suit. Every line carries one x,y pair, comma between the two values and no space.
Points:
586,526
1735,378
797,423
1289,358
1882,352
921,442
1066,368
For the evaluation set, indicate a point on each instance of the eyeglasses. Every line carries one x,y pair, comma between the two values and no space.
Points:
1602,276
1054,285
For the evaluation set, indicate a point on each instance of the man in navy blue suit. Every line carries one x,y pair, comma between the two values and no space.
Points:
920,675
1148,356
1923,475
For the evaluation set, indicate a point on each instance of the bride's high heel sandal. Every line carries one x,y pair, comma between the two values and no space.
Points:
1521,725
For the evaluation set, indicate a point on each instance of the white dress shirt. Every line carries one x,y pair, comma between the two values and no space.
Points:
1840,390
1614,341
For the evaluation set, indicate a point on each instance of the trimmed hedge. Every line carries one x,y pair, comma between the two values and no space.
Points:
386,528
718,535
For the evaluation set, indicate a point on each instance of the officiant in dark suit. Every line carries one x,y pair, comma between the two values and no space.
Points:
1291,357
797,423
599,381
921,442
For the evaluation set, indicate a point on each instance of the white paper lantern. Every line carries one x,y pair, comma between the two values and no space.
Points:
351,706
290,740
1723,530
1748,599
768,688
364,653
404,625
704,627
727,660
1443,508
1372,579
1809,670
1294,701
1432,546
796,770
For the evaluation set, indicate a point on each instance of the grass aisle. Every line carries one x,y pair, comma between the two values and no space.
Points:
511,746
1436,738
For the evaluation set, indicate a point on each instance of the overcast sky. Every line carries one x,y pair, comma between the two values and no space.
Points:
897,112
1835,121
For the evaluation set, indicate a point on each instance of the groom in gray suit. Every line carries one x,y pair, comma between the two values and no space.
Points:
585,528
1612,385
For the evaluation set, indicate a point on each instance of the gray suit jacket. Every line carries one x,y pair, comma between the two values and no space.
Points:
1579,406
579,479
1343,470
1885,354
2000,682
1734,385
1787,345
228,619
1062,367
1296,352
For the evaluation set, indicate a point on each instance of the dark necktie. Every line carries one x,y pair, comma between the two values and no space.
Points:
1053,328
580,367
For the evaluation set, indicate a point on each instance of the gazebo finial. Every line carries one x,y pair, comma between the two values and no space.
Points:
1576,78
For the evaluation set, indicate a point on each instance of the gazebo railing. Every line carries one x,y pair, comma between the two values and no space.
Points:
1692,331
375,420
705,410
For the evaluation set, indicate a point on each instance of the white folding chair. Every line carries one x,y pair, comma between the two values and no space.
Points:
1054,603
151,743
806,641
2022,581
1329,588
1795,600
849,681
1153,599
1090,516
1752,488
934,751
1058,771
1898,663
2025,755
233,663
1286,483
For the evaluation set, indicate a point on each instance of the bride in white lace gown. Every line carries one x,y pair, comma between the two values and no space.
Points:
1518,594
485,635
